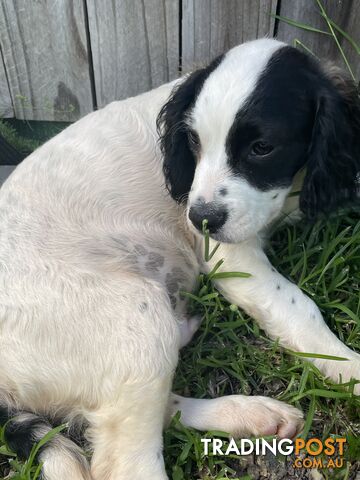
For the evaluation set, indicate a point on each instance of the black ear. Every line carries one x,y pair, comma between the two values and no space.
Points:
333,166
179,159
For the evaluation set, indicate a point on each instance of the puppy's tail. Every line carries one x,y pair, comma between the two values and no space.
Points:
61,458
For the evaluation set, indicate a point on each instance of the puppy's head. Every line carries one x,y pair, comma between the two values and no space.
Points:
234,135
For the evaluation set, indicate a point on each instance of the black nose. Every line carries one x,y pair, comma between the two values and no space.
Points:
215,215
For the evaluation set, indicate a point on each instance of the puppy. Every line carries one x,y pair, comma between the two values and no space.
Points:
94,252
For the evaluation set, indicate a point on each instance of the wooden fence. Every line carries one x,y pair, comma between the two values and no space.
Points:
60,59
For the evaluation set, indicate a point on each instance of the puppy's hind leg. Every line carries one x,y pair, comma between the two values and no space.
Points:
127,435
127,424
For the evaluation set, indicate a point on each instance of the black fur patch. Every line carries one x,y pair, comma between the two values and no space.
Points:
21,434
280,112
298,111
176,139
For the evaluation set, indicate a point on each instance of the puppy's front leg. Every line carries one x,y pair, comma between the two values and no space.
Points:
281,308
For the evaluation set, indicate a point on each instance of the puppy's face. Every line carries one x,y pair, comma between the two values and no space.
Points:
236,133
249,129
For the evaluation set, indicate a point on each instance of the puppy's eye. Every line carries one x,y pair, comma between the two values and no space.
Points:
194,140
261,149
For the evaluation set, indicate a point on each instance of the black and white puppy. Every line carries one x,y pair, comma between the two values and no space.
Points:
94,252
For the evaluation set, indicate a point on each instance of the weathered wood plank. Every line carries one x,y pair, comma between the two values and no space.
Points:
45,54
210,27
135,45
6,108
345,13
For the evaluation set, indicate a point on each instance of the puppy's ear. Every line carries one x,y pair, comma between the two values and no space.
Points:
333,166
174,132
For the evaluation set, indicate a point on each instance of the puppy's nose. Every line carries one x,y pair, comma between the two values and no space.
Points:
215,215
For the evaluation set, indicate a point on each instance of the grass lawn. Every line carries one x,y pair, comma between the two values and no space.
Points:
231,355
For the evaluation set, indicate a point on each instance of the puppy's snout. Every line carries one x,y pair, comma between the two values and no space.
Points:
214,214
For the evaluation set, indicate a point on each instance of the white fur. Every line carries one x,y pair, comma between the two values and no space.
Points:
86,325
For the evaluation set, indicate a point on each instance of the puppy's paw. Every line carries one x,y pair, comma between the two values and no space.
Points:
259,416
